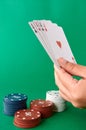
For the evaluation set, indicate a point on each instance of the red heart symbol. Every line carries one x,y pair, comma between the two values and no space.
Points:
59,44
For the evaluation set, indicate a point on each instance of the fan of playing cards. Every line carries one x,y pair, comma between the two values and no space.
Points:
53,39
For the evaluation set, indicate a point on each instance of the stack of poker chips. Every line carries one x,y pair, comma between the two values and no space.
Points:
27,118
31,117
43,106
14,102
59,102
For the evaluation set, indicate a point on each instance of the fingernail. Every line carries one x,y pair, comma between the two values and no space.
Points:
62,61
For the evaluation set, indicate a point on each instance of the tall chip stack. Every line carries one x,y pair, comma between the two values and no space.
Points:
14,102
59,102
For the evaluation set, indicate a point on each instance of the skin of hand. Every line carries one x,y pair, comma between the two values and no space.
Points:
71,89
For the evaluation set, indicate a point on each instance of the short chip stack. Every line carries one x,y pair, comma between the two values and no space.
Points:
59,102
14,102
43,106
27,118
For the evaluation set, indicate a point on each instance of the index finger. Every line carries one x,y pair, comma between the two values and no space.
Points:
67,80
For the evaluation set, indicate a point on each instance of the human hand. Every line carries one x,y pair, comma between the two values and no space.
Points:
71,89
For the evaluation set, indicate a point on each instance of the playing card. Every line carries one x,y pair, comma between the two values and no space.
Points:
38,32
59,43
66,50
52,36
43,30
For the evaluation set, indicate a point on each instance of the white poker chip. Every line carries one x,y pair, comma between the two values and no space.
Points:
54,95
59,102
60,107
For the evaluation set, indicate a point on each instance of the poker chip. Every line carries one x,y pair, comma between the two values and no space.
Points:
43,106
59,102
27,118
14,102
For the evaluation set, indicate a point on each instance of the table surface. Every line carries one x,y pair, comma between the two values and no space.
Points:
24,65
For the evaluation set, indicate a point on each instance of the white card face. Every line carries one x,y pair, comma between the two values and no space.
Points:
44,24
36,31
53,40
66,50
60,44
53,36
44,30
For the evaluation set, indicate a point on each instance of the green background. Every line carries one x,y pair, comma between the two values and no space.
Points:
25,66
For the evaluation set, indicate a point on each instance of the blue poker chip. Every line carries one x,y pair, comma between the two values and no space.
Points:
15,97
14,102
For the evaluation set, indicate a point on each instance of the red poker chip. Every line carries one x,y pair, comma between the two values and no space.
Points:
25,122
25,126
27,118
42,103
44,106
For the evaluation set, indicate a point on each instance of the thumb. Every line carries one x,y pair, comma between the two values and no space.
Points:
72,68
